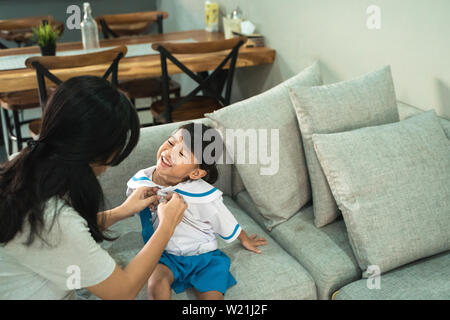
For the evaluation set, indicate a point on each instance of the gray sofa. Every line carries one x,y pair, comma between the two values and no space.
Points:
300,261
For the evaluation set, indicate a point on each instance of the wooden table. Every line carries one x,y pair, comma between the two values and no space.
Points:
135,67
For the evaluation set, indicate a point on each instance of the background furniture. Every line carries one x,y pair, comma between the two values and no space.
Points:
20,30
194,106
42,66
132,68
130,24
134,24
137,67
14,103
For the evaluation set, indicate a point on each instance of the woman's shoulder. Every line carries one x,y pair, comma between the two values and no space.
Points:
59,220
60,209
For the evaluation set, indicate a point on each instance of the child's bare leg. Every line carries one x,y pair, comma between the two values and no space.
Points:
159,283
209,295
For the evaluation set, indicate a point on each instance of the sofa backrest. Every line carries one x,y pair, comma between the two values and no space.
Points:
405,111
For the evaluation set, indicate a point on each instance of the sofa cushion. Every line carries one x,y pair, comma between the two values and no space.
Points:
392,184
406,111
114,180
326,252
364,101
425,279
272,110
255,273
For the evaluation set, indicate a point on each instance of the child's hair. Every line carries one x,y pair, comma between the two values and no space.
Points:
194,129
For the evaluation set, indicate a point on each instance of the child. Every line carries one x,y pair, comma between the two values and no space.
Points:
191,258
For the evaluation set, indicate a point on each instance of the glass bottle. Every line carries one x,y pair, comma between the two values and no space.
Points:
89,30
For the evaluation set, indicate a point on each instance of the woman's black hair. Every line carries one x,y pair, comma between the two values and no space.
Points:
197,132
86,121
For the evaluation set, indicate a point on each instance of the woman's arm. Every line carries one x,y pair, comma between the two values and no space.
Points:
107,218
126,283
137,201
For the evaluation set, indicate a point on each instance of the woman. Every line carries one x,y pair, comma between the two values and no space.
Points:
50,198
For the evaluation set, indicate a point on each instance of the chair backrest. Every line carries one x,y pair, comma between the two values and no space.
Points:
43,64
16,29
24,23
116,25
206,82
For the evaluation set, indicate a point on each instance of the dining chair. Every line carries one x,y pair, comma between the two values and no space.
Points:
13,104
134,24
43,64
20,30
130,24
194,106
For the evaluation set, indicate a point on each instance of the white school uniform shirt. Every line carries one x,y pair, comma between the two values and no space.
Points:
205,217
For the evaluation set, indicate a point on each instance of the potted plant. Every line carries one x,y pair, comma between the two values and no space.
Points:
46,38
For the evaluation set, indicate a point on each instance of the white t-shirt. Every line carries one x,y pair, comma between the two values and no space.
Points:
42,272
205,217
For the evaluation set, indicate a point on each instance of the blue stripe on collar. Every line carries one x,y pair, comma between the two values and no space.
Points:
140,179
232,235
204,194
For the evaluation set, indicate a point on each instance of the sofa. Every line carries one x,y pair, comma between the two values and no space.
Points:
301,261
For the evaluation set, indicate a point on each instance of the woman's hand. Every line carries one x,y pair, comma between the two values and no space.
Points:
140,199
251,243
171,211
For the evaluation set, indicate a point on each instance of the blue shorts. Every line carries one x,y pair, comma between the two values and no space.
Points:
205,272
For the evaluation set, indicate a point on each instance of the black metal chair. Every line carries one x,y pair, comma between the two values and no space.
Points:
133,24
126,24
20,30
13,104
42,65
211,84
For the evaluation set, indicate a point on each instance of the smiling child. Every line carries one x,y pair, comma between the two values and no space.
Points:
192,257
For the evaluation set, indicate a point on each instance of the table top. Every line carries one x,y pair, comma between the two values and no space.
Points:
135,67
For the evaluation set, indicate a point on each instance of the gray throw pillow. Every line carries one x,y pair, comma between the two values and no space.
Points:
281,194
392,183
364,101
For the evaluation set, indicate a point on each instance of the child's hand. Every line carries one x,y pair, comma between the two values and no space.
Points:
251,243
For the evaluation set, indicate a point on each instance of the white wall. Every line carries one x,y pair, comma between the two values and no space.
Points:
413,39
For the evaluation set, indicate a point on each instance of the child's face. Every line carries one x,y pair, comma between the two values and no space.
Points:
175,161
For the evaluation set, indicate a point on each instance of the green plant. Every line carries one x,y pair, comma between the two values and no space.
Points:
45,35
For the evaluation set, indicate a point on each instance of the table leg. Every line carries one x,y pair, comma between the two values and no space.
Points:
6,128
17,129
